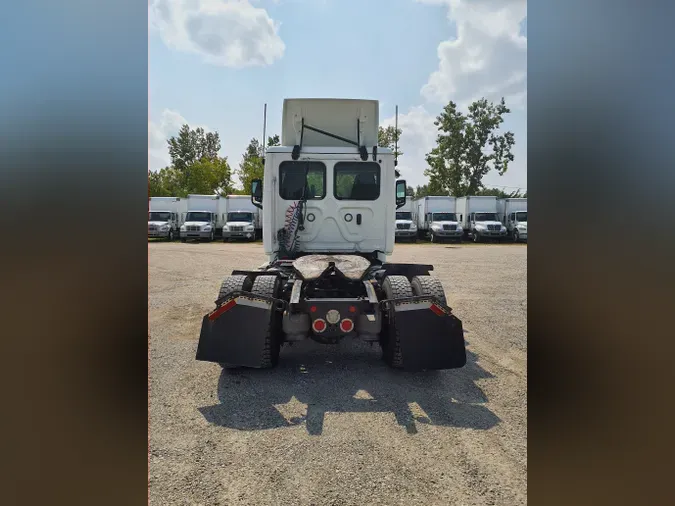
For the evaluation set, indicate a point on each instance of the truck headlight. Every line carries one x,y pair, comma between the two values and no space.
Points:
459,228
249,227
226,228
182,228
207,228
413,226
522,227
164,228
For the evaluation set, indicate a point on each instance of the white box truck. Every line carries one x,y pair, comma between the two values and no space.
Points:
479,218
406,228
202,219
242,219
513,214
437,219
164,217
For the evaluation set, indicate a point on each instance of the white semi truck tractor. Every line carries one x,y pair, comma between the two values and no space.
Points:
329,198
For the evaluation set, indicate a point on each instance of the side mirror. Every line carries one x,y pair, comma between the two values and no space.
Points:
257,193
400,193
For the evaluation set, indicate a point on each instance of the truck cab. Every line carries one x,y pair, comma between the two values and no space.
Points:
516,225
239,224
199,225
444,225
163,224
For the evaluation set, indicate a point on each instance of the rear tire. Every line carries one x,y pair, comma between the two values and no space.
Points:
268,286
232,283
427,285
394,287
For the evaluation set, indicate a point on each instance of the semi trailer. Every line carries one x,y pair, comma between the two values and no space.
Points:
436,218
328,198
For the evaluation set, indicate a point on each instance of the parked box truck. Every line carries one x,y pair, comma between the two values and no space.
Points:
437,219
479,217
406,228
164,217
242,219
513,214
202,220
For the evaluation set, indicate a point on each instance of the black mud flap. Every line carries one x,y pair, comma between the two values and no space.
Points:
234,333
431,336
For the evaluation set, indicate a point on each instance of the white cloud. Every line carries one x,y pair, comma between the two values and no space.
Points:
231,33
487,58
418,137
158,133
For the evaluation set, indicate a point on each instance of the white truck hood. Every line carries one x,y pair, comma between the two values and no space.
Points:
158,223
238,223
489,222
196,223
441,223
403,221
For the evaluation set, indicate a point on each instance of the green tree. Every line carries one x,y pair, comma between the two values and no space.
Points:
388,137
195,166
430,189
468,147
500,194
410,192
251,166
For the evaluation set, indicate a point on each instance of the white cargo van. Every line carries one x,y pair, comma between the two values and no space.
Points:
241,219
437,219
479,218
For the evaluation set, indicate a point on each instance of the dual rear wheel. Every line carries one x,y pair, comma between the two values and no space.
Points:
267,286
396,287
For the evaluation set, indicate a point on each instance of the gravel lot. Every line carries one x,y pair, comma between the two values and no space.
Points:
332,425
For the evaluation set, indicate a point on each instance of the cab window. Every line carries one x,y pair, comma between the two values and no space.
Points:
356,181
298,179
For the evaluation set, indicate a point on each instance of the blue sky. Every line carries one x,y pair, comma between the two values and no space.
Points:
214,63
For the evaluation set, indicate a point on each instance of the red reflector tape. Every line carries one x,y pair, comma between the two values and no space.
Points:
225,307
436,309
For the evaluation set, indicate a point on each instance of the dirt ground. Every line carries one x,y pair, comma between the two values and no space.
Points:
332,425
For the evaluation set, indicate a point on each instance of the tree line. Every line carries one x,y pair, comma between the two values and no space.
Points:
468,146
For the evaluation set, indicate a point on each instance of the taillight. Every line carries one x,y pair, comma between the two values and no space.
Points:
346,325
319,325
